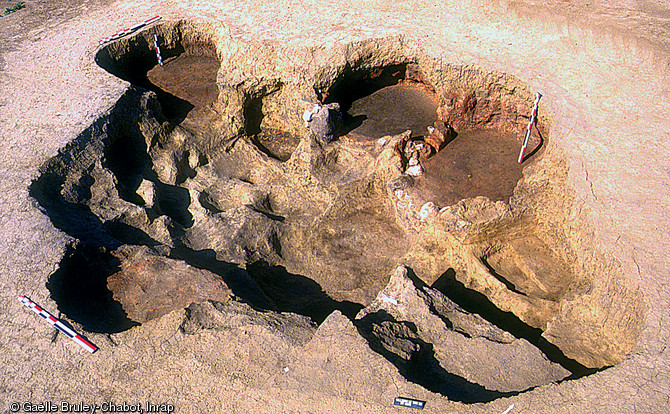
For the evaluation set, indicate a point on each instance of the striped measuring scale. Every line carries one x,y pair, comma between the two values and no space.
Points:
533,116
58,324
129,30
158,51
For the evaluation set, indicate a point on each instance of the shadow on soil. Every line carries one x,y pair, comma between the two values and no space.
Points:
298,294
237,279
509,285
388,337
77,220
134,66
537,148
353,85
269,288
477,303
79,287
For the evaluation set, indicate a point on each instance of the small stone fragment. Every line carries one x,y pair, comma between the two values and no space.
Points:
325,122
438,135
414,167
427,210
308,115
147,190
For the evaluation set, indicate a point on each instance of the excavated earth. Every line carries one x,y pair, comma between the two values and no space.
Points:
311,210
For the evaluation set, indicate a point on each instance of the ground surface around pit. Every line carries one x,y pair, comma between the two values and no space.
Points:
603,70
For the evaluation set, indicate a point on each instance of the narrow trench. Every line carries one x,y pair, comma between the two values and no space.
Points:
382,101
423,368
477,303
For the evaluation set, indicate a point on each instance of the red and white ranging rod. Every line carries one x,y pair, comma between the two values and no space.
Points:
158,51
58,324
530,126
129,30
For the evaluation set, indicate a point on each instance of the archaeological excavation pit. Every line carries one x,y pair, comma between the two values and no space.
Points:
185,83
206,181
481,159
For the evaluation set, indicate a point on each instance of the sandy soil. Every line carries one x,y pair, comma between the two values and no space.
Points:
603,70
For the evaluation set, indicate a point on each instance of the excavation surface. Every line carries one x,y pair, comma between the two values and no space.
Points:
188,77
317,231
600,91
476,163
393,110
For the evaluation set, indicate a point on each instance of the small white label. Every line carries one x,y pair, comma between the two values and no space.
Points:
389,299
409,402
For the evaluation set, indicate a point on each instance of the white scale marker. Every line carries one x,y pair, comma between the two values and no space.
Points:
507,411
58,324
530,126
158,51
